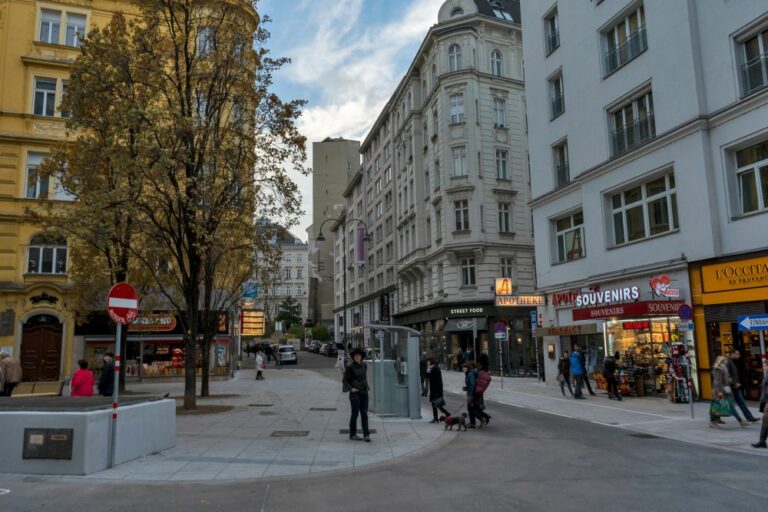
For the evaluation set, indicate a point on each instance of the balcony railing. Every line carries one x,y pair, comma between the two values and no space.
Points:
754,74
558,106
628,49
628,136
553,41
561,174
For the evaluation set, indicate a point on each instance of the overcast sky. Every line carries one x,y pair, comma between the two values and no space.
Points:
347,58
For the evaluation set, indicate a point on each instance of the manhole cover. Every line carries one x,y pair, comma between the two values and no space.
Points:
346,431
644,436
260,405
322,408
290,433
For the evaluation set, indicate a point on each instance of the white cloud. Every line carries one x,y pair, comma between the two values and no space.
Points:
354,67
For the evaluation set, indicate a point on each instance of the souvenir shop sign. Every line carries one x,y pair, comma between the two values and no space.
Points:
153,323
609,296
661,286
567,330
634,309
735,275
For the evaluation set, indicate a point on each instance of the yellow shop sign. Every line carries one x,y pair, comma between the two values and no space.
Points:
735,275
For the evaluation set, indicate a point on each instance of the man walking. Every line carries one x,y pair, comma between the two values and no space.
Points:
738,394
578,371
11,372
435,377
586,373
356,382
564,367
609,372
107,379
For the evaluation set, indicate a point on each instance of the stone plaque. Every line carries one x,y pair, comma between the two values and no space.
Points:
48,443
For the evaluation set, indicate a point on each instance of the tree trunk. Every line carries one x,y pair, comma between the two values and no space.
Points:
190,350
205,384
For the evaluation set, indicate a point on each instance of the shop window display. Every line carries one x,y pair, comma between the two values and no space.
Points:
651,355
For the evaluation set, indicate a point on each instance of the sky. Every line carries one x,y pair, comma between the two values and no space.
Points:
347,57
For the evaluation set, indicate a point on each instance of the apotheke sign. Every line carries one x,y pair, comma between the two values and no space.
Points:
605,297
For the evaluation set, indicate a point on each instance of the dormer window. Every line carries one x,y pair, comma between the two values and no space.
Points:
458,11
499,12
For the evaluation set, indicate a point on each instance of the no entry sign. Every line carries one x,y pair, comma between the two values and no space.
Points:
123,303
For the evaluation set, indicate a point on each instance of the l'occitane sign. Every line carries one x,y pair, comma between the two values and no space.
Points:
735,275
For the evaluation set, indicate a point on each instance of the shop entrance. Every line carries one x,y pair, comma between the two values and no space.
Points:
724,338
41,341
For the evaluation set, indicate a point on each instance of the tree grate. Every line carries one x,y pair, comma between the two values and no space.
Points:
290,433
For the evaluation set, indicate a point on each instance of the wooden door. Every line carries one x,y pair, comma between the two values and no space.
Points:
41,342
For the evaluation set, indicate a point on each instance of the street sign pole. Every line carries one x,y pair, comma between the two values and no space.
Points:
115,396
501,362
474,337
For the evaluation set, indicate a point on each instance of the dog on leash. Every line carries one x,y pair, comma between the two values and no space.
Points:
450,421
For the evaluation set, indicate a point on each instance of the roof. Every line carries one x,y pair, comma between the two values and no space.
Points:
510,6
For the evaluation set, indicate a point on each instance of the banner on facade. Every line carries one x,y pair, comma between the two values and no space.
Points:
567,330
633,309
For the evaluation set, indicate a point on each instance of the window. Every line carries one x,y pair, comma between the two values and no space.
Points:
499,12
288,290
456,102
425,134
37,185
388,223
752,177
645,210
560,159
633,124
64,85
45,97
501,165
467,267
437,175
287,274
454,57
499,112
459,155
379,210
458,11
378,186
50,26
75,29
625,41
569,232
552,32
388,200
556,98
429,230
497,63
60,193
507,267
205,41
461,211
427,187
390,248
299,272
754,71
433,76
299,258
47,255
388,175
505,218
300,289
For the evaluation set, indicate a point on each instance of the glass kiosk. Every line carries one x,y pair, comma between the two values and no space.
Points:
395,378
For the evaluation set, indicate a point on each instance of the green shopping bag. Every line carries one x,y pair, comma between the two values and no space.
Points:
721,408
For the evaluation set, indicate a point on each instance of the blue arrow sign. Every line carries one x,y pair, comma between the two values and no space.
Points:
753,323
534,318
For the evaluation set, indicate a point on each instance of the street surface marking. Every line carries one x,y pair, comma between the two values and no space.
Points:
594,405
556,414
603,424
4,491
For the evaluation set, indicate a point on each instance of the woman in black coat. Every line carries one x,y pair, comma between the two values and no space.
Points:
435,377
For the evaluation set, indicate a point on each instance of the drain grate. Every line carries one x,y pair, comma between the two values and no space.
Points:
260,405
322,408
346,431
290,433
640,435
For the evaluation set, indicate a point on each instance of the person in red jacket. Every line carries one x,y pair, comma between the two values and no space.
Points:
82,380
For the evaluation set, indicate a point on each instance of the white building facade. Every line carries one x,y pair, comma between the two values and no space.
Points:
647,128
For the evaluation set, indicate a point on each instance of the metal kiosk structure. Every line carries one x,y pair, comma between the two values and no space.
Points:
396,382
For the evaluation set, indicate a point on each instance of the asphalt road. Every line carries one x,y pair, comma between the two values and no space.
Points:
524,461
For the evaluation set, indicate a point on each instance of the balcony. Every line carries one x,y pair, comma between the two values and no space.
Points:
553,42
628,49
754,75
631,135
562,175
557,106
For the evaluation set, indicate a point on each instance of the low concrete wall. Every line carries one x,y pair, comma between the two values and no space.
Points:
142,428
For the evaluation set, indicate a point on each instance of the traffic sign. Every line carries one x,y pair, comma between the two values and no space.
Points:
123,303
500,328
685,312
753,323
534,319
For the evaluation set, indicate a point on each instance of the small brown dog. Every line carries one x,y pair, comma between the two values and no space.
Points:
450,421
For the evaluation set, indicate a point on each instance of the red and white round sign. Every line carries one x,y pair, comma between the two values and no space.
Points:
123,303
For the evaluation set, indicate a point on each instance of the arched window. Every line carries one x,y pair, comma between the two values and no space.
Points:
458,11
47,255
454,57
497,63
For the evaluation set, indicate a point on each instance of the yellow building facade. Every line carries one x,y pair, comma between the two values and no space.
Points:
39,41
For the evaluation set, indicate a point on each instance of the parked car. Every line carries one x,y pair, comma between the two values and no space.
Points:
287,354
323,351
333,350
313,346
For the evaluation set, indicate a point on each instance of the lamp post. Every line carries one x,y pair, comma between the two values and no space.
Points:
343,222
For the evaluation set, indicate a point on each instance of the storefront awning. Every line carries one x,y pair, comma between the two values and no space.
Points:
465,324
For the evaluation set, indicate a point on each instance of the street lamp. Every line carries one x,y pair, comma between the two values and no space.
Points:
366,239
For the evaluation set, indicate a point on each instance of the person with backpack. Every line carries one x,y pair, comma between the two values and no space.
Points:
475,385
611,381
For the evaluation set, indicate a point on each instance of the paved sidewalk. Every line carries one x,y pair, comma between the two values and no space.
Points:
655,416
241,443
